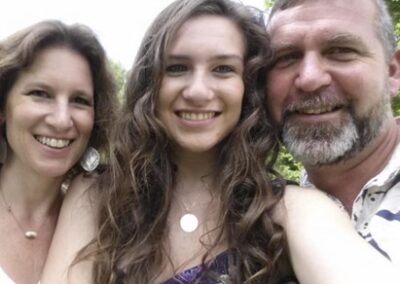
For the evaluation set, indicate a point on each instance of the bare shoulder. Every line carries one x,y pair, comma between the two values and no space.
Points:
82,185
76,227
83,182
82,193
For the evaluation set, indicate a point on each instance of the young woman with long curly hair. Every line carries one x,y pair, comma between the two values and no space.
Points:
188,195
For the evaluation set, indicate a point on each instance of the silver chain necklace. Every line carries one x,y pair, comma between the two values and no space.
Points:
29,234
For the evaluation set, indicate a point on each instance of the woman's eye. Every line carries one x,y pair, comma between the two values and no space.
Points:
224,69
82,101
39,93
176,68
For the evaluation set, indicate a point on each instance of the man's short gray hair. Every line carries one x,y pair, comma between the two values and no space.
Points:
383,22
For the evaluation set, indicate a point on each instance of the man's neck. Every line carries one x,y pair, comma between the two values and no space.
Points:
346,179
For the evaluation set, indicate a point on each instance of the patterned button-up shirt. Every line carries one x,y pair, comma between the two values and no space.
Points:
376,210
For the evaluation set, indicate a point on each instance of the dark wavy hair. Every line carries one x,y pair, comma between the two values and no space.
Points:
18,51
138,188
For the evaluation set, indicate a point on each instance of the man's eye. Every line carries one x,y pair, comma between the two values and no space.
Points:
342,53
286,59
176,69
339,50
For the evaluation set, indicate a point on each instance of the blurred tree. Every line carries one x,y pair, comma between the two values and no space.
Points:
394,6
288,166
268,3
120,77
396,105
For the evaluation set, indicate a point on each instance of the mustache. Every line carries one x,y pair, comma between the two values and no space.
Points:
314,103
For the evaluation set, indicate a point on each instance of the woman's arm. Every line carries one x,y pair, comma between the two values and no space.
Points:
76,227
324,246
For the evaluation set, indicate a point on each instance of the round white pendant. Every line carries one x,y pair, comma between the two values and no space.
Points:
30,235
189,223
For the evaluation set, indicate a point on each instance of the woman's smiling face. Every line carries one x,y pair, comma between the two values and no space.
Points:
49,112
202,89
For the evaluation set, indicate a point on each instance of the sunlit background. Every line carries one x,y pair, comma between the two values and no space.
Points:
119,24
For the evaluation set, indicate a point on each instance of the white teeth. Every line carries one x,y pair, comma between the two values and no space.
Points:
196,116
53,142
316,110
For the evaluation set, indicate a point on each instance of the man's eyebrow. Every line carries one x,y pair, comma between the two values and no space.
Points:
283,47
345,39
328,40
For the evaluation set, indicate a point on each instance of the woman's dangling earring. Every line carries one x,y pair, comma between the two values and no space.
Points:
90,159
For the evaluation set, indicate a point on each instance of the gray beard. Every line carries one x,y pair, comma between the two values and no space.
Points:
327,143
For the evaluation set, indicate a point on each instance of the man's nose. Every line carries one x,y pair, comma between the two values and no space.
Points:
312,74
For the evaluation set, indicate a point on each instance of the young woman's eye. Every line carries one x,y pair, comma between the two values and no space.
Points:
224,69
176,69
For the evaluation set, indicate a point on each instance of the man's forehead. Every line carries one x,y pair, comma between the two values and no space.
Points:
319,37
324,12
287,4
306,9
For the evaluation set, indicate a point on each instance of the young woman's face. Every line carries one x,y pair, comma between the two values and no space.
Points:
49,113
201,94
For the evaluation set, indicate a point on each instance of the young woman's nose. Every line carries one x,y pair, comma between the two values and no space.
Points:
198,88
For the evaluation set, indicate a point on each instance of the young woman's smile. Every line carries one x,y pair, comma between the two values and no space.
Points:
202,89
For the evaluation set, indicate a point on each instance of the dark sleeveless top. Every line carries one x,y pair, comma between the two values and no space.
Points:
218,265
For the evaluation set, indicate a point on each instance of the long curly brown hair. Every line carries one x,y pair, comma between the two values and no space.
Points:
138,187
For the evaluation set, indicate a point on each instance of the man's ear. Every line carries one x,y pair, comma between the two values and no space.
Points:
394,74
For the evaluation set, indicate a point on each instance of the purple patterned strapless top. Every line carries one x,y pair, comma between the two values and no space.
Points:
189,276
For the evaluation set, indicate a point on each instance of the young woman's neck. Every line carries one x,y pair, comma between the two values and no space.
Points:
195,171
196,163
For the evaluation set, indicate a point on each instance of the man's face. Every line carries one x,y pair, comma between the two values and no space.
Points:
329,86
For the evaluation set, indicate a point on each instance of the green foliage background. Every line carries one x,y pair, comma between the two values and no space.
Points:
120,77
394,6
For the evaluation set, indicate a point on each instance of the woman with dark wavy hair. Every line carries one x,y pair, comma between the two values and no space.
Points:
188,195
56,99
